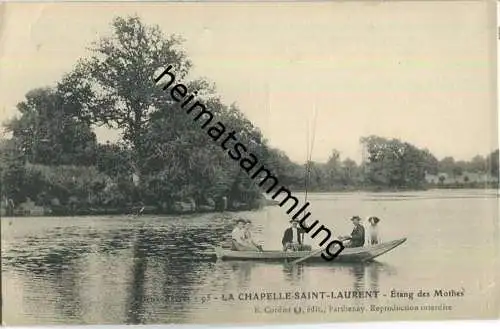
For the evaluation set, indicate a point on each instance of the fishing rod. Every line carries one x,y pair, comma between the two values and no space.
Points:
309,151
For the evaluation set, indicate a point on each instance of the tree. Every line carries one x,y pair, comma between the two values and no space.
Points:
395,164
114,160
333,169
478,164
382,167
430,162
288,173
316,178
447,165
492,161
183,162
350,172
13,172
50,132
115,84
172,157
457,171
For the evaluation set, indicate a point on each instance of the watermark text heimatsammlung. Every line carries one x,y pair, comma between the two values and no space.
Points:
247,160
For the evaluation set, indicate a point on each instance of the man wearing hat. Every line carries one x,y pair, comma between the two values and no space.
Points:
357,237
292,237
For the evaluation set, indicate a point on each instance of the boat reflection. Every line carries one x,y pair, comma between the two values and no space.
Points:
356,276
293,273
243,272
360,276
143,274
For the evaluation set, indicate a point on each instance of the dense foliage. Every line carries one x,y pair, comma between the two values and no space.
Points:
391,164
163,158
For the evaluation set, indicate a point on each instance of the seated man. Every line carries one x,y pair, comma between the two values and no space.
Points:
357,237
292,238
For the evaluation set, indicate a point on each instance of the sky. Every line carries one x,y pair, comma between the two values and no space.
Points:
423,72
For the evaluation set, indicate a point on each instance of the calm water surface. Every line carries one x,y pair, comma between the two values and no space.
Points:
152,269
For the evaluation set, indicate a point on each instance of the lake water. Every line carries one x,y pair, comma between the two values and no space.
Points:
157,269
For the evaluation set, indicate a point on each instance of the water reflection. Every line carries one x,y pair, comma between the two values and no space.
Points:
357,271
143,272
243,271
293,273
362,276
246,274
150,270
135,308
71,263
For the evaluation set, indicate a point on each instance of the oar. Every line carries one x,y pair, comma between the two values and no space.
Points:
314,253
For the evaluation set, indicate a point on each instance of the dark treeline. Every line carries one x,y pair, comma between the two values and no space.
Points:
163,161
391,164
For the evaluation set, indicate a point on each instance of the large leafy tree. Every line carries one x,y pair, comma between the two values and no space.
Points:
49,130
396,164
478,164
447,165
116,83
172,157
183,160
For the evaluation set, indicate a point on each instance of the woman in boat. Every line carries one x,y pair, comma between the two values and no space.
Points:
238,237
248,236
373,230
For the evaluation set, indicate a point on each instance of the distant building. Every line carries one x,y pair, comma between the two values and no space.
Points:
435,179
473,177
465,178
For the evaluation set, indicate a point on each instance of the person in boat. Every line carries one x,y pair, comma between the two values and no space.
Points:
373,230
357,237
238,235
239,242
248,236
292,237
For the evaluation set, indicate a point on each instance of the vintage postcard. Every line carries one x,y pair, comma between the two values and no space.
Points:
248,162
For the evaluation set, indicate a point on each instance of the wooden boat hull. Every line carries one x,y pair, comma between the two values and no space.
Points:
348,255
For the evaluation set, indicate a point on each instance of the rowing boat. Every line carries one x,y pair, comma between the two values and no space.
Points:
348,255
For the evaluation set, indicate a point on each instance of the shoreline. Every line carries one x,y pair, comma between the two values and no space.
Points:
133,211
388,190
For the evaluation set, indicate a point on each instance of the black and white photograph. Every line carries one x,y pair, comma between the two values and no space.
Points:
248,162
